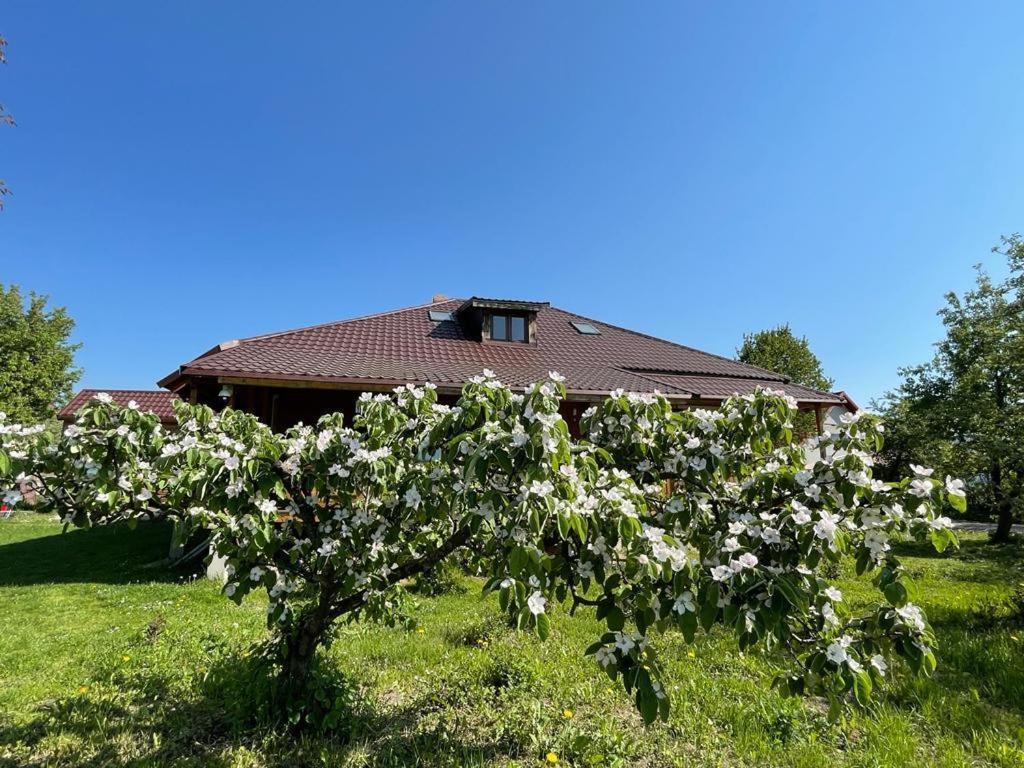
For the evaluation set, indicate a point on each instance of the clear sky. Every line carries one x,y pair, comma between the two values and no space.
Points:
190,172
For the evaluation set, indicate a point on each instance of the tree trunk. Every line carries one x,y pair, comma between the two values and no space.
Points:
300,652
1004,505
1004,523
312,625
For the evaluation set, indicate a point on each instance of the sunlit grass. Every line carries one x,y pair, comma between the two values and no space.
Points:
104,661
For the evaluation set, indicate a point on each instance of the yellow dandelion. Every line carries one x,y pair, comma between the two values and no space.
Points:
83,689
420,631
551,757
566,713
126,657
691,654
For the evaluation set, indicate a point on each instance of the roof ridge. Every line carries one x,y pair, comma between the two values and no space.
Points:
372,315
673,343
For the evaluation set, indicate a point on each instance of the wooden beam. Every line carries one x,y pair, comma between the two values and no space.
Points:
351,385
820,423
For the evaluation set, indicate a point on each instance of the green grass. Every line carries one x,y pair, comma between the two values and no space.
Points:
104,661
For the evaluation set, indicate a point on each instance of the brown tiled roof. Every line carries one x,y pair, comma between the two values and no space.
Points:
156,400
717,387
406,346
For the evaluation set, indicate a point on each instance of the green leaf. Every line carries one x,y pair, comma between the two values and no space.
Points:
940,539
928,662
709,606
896,593
862,688
615,619
543,626
647,703
688,625
794,596
563,524
959,503
518,560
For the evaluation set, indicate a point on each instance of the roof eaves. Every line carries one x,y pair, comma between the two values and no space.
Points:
477,302
848,401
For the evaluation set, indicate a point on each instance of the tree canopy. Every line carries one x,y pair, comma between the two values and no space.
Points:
37,370
659,520
780,350
964,410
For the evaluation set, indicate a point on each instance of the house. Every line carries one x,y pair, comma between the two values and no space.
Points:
296,376
157,401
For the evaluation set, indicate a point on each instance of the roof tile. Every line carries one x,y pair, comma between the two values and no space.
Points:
157,401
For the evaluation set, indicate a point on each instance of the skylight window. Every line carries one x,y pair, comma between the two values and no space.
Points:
586,329
438,316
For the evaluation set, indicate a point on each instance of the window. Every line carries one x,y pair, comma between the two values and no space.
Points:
499,327
508,328
438,316
586,329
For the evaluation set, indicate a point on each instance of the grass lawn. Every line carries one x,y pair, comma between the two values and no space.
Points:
106,662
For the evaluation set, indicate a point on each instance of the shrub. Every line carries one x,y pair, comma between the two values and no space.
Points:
331,520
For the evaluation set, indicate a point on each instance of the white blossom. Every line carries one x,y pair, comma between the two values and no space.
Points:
684,603
536,603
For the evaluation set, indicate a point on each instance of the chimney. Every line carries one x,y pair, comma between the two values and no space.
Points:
438,298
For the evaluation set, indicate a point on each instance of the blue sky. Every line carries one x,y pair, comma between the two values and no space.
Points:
190,172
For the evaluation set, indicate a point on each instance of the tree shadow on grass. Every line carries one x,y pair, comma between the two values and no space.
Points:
114,554
146,718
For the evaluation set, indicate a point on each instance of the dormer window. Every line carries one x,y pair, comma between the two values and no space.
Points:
509,328
500,320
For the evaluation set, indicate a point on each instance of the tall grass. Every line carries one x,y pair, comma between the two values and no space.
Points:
107,662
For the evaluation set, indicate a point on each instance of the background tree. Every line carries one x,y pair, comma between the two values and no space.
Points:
964,410
780,350
37,368
5,119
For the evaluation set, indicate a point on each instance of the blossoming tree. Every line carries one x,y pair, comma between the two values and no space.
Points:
660,519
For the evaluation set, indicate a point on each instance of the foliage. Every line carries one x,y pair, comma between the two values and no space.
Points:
964,410
659,520
73,607
37,369
780,350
